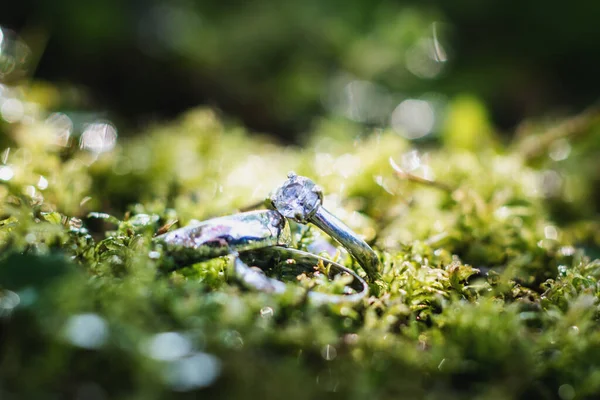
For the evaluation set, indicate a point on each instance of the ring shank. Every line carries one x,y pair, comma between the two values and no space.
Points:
357,247
221,236
268,257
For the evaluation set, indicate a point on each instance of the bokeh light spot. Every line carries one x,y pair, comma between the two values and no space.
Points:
328,352
194,372
99,137
168,346
12,110
413,118
8,301
6,173
89,331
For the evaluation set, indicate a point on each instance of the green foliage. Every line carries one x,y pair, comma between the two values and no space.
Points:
484,291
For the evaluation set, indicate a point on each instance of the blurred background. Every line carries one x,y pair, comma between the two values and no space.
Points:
448,134
277,67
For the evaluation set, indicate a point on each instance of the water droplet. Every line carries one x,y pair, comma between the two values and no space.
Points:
30,238
574,330
560,150
266,312
233,339
42,183
562,269
89,331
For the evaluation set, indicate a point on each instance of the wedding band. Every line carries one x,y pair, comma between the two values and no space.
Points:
269,257
300,199
221,236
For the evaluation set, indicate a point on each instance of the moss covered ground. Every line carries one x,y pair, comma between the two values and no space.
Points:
490,277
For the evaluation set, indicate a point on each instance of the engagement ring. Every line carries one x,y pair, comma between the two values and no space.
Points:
260,238
300,199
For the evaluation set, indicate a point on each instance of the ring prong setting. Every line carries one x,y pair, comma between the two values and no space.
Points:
318,190
297,198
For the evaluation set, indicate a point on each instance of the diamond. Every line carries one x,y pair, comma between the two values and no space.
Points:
297,198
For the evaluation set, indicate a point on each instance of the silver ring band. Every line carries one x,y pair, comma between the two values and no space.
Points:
256,237
268,257
357,247
221,236
301,200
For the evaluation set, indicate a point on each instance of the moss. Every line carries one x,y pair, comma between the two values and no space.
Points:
486,290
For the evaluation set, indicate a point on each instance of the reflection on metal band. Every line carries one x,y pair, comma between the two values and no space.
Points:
357,247
225,235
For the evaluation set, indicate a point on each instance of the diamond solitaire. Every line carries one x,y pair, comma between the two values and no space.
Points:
298,198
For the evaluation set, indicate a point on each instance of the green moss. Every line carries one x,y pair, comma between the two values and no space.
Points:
486,291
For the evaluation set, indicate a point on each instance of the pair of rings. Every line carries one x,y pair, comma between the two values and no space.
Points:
261,238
